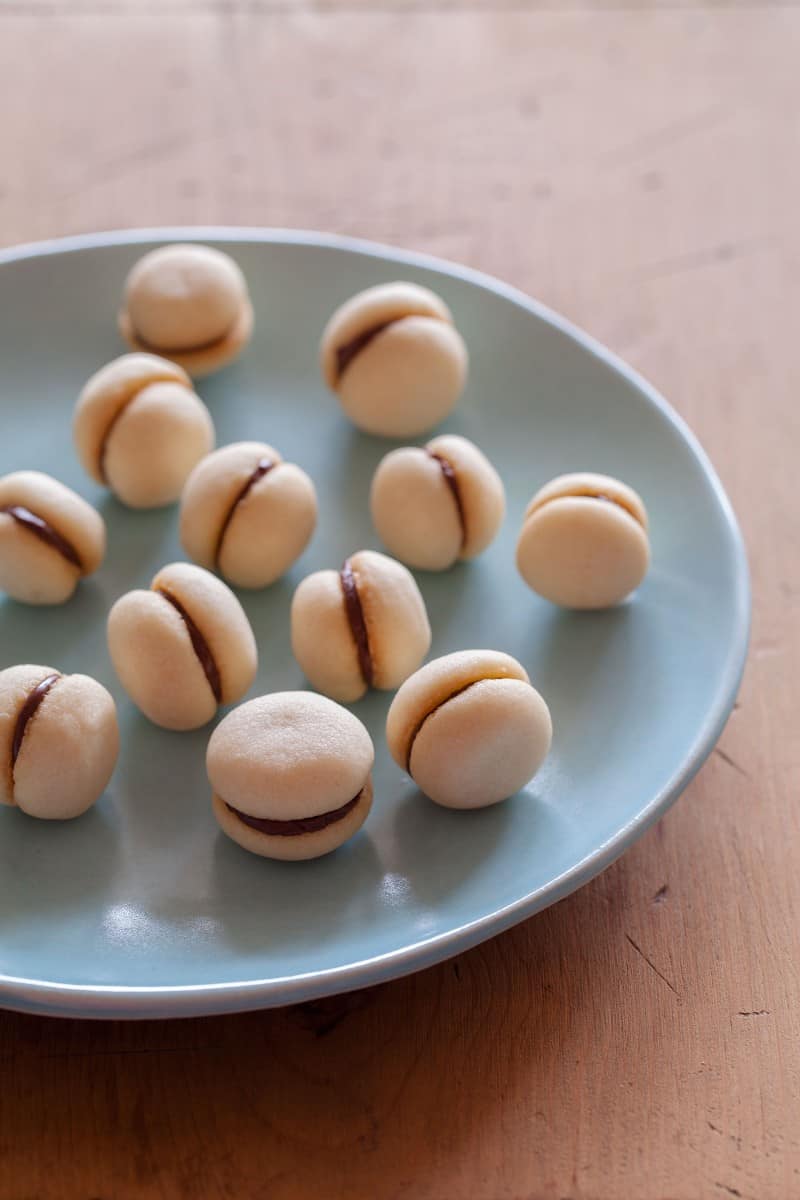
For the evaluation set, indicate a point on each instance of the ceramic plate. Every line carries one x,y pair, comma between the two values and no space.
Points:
142,907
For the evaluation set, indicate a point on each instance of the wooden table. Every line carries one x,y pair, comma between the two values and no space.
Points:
635,165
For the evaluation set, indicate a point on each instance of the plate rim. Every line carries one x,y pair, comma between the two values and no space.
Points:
133,1001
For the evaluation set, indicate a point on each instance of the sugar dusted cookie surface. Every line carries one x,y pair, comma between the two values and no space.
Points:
247,514
182,648
50,538
59,741
360,627
469,728
395,359
140,429
188,303
584,541
291,775
436,504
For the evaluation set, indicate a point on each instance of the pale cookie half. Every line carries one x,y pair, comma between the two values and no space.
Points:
59,741
434,505
584,541
49,538
469,728
183,648
139,429
290,774
395,359
247,514
189,303
361,627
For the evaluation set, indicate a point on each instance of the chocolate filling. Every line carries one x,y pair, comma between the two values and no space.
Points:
421,722
25,714
355,618
602,496
606,500
103,450
45,532
263,466
301,825
415,731
199,645
101,453
346,353
451,480
166,351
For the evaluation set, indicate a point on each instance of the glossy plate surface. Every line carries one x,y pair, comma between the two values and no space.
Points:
142,907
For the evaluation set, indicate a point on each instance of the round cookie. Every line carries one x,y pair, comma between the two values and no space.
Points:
469,728
183,648
583,542
291,775
361,627
140,429
49,538
436,504
188,303
247,514
59,741
395,359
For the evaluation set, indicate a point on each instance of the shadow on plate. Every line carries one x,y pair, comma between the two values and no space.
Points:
260,903
49,867
583,662
457,843
268,612
41,633
357,457
135,537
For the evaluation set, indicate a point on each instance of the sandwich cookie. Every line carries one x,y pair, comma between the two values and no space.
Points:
247,514
49,538
362,627
183,648
188,303
584,542
469,728
291,775
140,429
395,359
59,741
434,505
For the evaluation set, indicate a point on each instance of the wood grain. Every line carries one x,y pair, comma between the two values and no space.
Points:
639,172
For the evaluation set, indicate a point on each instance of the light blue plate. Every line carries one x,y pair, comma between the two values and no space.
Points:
142,908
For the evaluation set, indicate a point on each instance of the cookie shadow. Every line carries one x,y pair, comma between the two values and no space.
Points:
161,783
54,867
261,903
450,597
582,662
136,537
354,458
268,610
457,843
39,633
